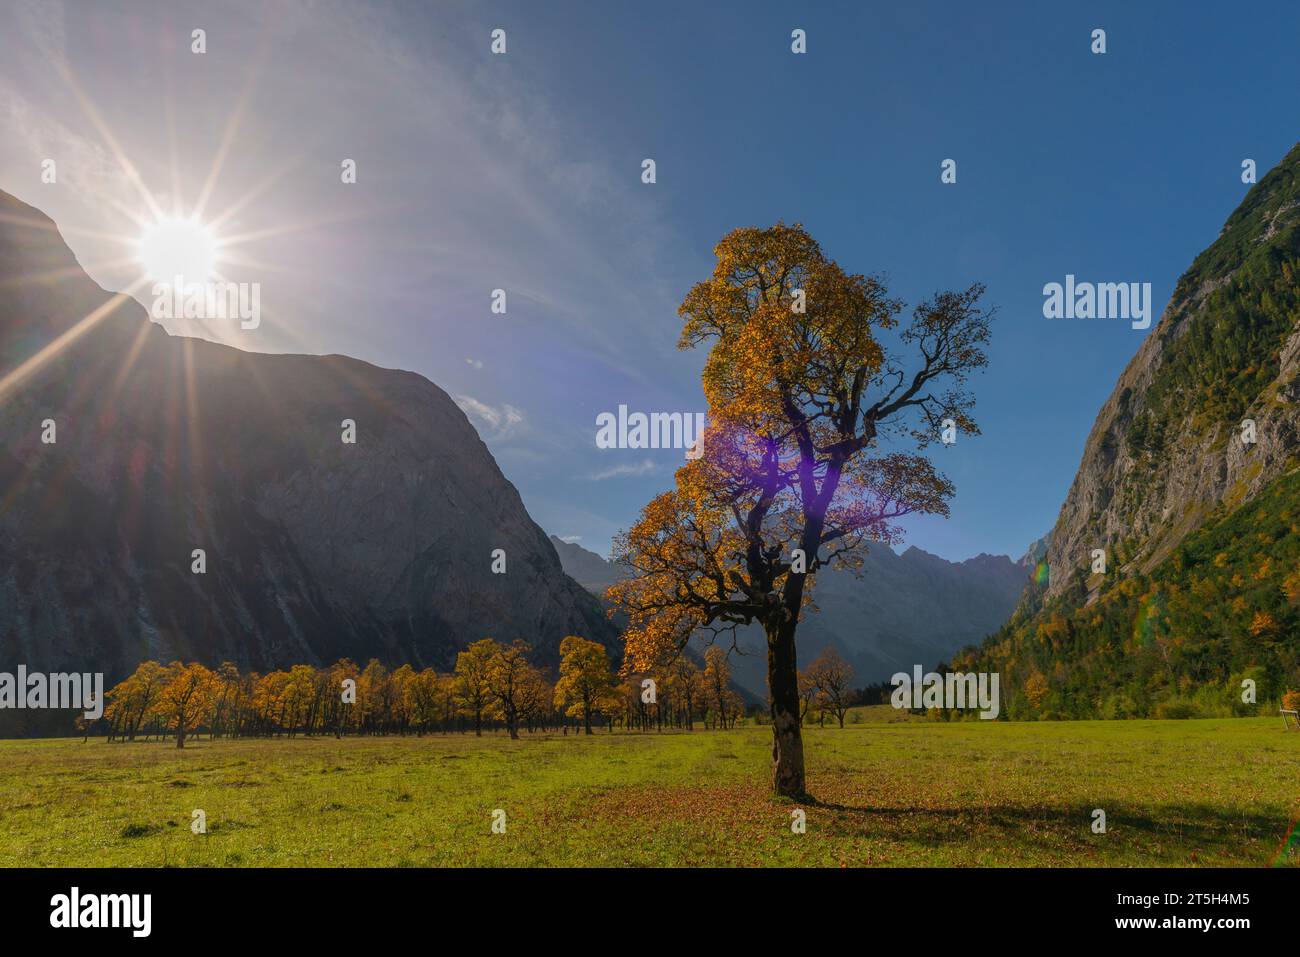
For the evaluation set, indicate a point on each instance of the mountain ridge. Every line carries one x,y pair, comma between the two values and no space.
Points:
907,609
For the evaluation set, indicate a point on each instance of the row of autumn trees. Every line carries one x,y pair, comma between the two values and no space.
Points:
493,684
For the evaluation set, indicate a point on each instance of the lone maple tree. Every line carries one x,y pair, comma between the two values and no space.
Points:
792,476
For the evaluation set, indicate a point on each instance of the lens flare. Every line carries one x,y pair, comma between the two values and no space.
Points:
1147,620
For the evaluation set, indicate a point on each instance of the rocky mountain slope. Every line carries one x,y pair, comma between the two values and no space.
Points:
1167,447
908,609
1189,485
1035,553
315,549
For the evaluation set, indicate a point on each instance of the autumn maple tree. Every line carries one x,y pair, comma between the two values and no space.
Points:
187,695
586,684
511,684
717,682
832,677
133,700
799,466
472,690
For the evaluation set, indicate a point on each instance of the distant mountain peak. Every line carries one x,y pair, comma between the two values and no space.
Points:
584,566
1036,551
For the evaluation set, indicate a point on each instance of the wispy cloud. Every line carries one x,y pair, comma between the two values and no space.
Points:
31,92
644,467
498,421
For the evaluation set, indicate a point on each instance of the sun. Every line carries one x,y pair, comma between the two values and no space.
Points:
178,246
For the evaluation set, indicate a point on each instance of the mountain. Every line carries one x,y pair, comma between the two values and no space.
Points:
1035,553
1166,449
586,567
1185,485
908,609
315,549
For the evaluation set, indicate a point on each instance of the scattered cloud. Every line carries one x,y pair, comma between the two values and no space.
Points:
571,539
474,363
644,467
498,421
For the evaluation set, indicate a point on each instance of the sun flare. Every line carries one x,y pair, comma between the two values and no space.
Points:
178,246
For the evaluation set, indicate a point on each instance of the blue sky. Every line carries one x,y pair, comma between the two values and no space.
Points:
522,172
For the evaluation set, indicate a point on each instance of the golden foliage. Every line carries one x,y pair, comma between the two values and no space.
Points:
799,399
1263,625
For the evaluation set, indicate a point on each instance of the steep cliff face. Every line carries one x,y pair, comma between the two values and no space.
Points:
315,549
1189,484
1169,447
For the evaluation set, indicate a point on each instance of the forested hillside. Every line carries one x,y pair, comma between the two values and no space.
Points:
1186,492
1177,642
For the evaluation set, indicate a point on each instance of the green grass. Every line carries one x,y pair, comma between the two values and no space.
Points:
1212,792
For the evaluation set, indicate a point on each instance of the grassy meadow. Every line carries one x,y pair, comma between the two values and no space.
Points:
889,792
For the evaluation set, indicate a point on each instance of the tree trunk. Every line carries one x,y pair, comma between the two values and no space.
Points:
180,734
783,684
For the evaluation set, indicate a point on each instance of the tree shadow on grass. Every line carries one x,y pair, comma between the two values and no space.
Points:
1195,825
